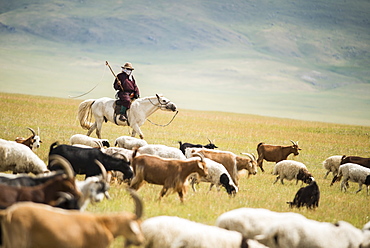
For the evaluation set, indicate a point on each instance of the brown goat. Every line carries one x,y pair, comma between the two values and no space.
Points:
48,192
171,173
33,225
232,162
273,153
32,142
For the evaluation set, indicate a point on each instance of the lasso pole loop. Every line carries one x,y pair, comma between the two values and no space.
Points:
165,124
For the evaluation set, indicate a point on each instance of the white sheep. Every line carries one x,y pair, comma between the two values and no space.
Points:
125,152
82,139
129,142
331,164
295,233
251,222
19,158
366,232
354,173
217,175
175,232
289,170
162,151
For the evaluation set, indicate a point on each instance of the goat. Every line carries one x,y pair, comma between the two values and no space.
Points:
82,139
273,153
231,161
42,226
308,196
33,142
365,162
217,175
183,146
170,173
47,192
19,158
82,160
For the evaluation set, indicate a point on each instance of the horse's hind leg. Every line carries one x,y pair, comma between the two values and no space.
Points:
92,128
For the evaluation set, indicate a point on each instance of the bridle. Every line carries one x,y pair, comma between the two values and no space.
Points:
160,105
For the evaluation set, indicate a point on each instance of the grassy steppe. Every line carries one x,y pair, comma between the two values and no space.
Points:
56,118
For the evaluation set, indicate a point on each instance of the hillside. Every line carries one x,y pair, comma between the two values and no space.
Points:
294,59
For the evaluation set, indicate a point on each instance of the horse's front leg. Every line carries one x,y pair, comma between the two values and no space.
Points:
136,129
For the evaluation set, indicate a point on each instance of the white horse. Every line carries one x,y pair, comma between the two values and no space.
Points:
103,110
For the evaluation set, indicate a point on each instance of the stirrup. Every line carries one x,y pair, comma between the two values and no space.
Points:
122,117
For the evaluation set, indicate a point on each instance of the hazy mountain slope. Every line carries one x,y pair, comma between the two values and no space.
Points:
247,55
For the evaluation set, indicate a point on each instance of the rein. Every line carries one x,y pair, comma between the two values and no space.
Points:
158,106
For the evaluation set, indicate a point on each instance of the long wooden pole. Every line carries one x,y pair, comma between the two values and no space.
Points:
110,68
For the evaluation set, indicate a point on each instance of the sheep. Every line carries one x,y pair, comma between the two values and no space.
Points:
354,173
290,169
251,222
175,232
41,226
366,232
162,151
33,141
331,164
125,152
295,233
129,142
308,196
170,173
19,158
217,175
88,141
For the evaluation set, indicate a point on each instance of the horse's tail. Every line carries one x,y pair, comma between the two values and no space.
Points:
85,114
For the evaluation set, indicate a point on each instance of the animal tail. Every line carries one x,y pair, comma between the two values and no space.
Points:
52,146
135,149
84,113
260,144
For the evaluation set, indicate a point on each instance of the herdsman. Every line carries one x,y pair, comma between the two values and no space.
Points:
127,90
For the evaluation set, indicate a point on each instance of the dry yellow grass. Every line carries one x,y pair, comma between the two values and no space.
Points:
56,118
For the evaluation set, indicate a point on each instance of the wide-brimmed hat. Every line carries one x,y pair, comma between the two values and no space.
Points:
127,65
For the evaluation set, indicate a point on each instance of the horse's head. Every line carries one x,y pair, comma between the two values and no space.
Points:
165,104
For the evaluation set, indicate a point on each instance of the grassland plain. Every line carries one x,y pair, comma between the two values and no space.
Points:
56,118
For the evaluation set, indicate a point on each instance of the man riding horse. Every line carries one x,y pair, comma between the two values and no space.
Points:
127,90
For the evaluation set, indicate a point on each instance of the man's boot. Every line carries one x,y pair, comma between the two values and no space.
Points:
123,116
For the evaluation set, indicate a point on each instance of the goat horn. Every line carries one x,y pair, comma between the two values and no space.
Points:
102,168
138,203
38,131
293,142
209,140
33,131
199,155
249,155
57,159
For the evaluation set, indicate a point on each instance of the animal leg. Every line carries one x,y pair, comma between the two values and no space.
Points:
277,178
181,195
162,193
326,174
359,187
98,129
260,164
92,128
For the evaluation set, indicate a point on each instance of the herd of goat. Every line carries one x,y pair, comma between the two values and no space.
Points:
47,209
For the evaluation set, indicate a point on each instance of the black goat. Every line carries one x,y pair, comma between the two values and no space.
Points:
356,160
26,180
183,146
308,196
82,160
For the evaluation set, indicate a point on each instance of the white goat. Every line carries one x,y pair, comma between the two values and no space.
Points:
354,173
19,158
295,233
175,232
331,164
251,222
93,190
88,141
129,142
162,151
290,169
217,175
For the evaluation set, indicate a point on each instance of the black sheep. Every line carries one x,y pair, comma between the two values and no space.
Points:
308,196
